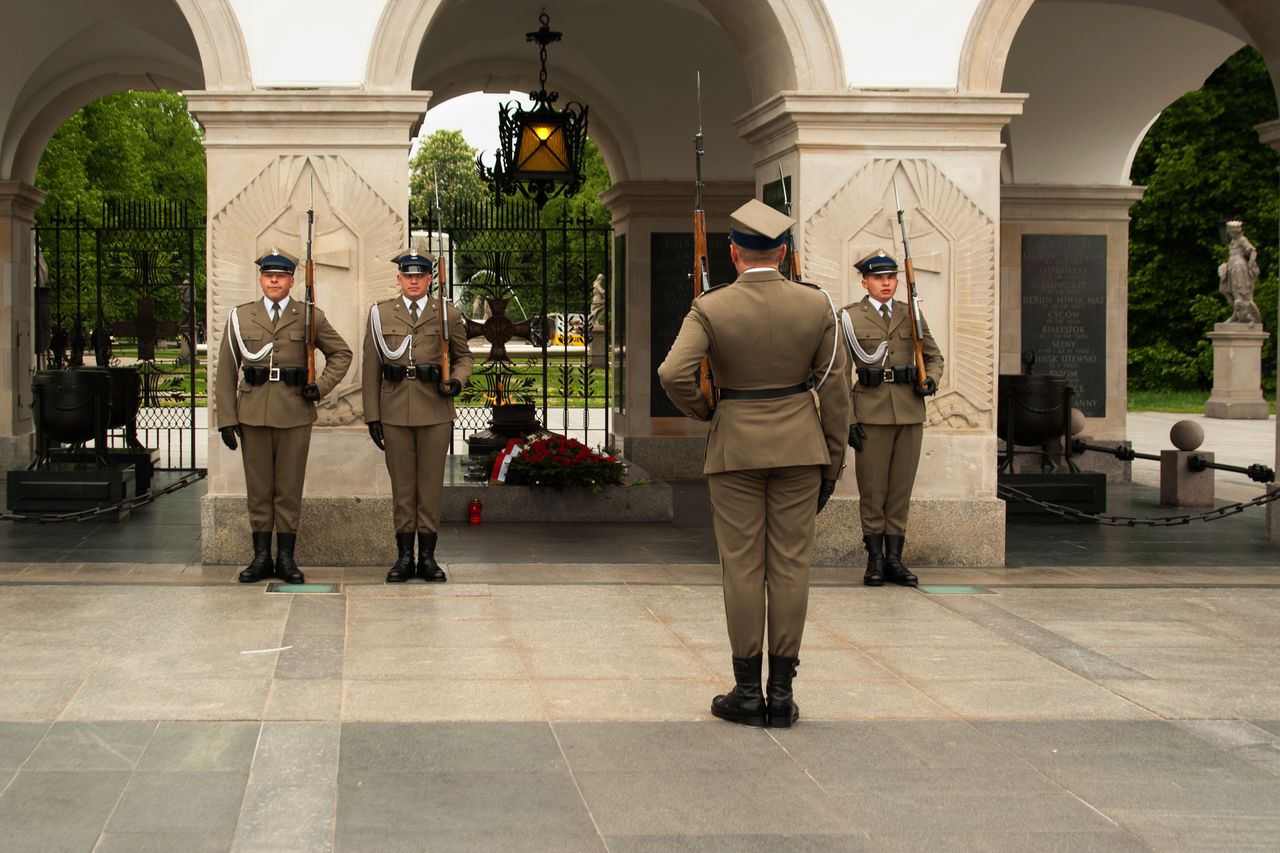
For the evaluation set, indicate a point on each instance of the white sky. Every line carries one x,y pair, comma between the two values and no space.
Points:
476,115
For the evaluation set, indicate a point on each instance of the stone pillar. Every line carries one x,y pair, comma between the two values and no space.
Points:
1089,211
1237,372
841,151
664,443
1269,132
18,204
268,153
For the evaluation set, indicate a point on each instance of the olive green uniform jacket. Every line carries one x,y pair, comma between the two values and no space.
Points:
892,403
412,402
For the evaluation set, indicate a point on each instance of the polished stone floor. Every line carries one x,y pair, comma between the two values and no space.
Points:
1101,692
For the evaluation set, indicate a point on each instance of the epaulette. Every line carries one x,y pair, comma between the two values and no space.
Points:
714,288
808,284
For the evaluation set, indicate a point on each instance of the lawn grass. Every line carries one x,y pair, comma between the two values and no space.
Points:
1176,401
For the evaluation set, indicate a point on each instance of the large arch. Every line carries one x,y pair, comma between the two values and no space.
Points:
785,46
223,53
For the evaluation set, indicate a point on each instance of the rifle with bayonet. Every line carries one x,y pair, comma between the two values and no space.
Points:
309,293
913,297
441,281
794,267
701,268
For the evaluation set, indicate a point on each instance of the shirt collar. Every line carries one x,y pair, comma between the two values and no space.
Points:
422,303
267,303
877,304
760,269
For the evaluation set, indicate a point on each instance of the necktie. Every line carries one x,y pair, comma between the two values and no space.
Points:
413,311
275,313
884,312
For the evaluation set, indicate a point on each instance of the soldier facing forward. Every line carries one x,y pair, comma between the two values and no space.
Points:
263,398
774,451
409,409
888,414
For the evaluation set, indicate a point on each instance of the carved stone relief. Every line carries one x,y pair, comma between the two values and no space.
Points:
356,233
953,252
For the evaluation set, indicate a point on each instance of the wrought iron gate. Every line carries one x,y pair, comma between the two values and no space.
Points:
511,273
126,286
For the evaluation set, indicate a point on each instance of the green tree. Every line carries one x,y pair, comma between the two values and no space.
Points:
445,154
1202,164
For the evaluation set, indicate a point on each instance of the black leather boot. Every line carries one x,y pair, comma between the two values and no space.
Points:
403,569
286,569
894,571
428,569
261,565
874,575
783,710
745,703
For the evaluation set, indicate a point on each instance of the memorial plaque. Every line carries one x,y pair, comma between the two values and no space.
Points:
670,294
1064,312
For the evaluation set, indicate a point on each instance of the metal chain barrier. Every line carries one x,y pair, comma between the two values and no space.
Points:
1009,493
128,503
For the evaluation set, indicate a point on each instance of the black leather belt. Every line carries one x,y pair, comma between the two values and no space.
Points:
873,376
429,373
762,393
257,375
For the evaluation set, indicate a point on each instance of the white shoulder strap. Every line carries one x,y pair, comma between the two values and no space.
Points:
835,340
855,348
248,356
375,325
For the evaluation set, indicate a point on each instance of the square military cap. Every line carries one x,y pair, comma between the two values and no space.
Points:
277,260
412,262
876,263
756,225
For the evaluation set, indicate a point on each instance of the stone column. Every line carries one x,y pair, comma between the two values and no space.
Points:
1237,372
18,204
270,156
1088,211
943,150
667,445
1269,132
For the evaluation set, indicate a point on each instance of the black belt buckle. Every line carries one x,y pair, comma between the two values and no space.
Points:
887,374
273,374
411,372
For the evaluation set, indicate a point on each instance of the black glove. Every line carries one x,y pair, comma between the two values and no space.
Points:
229,436
450,387
930,388
375,432
856,436
825,491
311,392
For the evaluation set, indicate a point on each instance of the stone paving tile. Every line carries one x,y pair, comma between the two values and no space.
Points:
425,701
452,747
412,661
104,698
867,700
312,656
180,801
1022,700
995,841
569,636
623,662
60,801
942,664
36,698
627,699
17,741
190,746
654,747
508,840
164,842
440,633
289,803
761,843
1202,698
304,699
92,746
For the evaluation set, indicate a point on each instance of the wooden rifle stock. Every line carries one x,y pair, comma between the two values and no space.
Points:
913,314
309,305
701,282
444,322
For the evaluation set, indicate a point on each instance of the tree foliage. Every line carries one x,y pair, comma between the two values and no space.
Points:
1202,164
447,156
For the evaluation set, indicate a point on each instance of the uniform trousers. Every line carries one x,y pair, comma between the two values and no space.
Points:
275,465
886,470
764,523
415,461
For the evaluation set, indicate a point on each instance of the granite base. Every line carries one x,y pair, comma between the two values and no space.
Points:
942,532
669,458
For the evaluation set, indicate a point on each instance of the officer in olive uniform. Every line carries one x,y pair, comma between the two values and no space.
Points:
774,451
263,398
888,414
409,409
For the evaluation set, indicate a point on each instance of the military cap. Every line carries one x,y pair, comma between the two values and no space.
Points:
412,262
276,260
756,225
877,262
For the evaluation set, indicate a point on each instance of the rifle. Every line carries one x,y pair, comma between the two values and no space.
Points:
309,294
913,296
441,280
701,269
791,237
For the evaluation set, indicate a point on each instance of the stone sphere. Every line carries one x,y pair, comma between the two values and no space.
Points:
1077,422
1186,435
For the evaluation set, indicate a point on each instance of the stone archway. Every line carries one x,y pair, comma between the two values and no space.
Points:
790,45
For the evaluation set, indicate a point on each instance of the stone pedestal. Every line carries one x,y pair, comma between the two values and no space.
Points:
1179,485
1237,372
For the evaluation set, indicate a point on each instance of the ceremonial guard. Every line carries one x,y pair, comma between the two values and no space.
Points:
410,376
774,451
888,413
263,399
